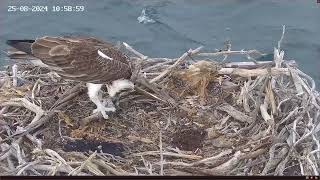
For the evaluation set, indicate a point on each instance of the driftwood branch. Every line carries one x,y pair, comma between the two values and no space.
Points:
178,62
128,47
22,102
254,72
235,113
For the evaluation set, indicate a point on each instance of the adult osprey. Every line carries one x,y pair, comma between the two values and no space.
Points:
84,59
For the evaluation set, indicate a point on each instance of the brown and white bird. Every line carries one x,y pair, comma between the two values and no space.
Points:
83,59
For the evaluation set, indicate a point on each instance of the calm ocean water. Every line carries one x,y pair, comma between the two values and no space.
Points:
168,28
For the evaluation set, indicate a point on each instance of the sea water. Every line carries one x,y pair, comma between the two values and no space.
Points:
168,28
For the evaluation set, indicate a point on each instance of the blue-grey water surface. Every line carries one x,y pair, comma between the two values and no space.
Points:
178,25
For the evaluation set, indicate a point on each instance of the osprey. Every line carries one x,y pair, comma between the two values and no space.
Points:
83,59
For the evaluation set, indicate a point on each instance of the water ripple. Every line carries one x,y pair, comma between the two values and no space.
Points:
144,18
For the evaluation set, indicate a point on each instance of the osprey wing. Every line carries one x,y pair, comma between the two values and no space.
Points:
87,60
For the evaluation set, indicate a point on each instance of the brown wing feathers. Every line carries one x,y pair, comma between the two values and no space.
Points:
78,59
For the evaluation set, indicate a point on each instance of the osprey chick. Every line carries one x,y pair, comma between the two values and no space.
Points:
83,59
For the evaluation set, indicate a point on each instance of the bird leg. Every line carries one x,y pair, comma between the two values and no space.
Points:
117,86
95,97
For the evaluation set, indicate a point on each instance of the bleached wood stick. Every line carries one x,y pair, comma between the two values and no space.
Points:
253,72
278,57
226,167
128,47
161,64
161,153
213,159
282,36
112,170
253,65
155,153
14,75
60,168
221,53
27,104
235,113
170,68
296,81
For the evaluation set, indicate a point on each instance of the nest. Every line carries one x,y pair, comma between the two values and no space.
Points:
184,118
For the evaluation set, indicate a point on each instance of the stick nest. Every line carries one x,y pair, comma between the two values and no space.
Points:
184,118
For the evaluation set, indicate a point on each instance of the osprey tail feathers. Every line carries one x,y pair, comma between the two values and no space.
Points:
22,51
21,45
